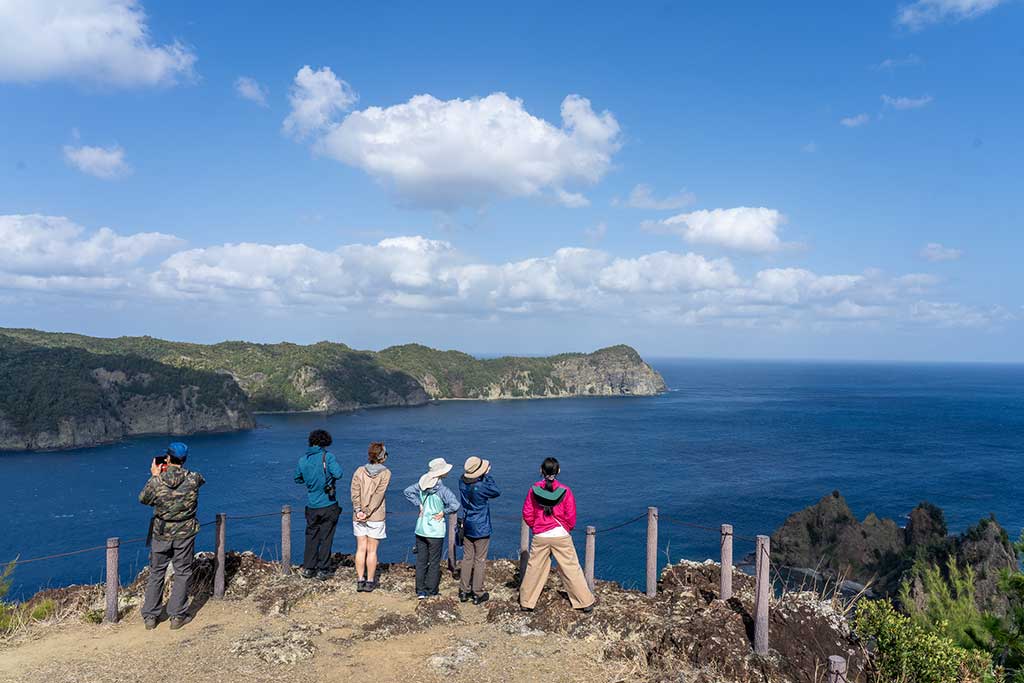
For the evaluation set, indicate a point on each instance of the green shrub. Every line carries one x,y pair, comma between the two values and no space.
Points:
94,616
949,607
42,610
906,652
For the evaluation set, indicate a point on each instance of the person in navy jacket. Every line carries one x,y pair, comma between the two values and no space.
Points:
476,489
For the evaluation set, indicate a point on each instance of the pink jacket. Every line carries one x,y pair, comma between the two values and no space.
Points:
565,511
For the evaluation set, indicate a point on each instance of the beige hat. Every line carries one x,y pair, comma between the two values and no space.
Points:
476,467
437,469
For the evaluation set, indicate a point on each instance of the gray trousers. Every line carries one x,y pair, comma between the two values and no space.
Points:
474,564
181,553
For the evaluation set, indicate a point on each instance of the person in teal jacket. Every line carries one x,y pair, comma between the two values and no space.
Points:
435,502
319,470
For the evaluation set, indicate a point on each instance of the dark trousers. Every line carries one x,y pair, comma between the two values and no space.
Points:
180,553
320,526
428,564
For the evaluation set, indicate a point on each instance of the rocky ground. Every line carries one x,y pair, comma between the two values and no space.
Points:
275,628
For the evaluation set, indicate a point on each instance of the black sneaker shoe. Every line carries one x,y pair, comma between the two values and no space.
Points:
525,609
370,586
178,622
308,573
323,576
150,624
360,586
481,598
587,610
465,597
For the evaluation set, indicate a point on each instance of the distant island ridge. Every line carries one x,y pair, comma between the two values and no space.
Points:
61,390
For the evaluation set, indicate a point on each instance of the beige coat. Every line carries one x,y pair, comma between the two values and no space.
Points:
368,493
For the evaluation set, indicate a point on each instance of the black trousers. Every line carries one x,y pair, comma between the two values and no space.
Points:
320,526
428,564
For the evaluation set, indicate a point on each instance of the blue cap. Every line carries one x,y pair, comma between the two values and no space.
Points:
178,450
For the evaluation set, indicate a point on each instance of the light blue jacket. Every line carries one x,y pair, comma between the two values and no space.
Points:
310,471
449,503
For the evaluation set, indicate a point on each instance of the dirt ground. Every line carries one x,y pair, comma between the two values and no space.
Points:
334,635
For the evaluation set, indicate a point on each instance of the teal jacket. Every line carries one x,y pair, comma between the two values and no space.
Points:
310,471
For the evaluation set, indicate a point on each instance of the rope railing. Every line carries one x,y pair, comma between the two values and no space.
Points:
761,562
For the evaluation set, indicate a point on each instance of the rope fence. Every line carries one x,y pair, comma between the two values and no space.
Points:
766,573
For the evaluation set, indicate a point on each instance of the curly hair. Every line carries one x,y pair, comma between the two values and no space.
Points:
321,438
376,453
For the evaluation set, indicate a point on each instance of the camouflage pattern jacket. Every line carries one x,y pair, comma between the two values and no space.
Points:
174,496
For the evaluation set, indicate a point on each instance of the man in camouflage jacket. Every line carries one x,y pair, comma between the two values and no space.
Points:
173,492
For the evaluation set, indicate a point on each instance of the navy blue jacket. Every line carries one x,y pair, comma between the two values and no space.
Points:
475,512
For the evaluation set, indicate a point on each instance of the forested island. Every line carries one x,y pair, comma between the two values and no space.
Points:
61,390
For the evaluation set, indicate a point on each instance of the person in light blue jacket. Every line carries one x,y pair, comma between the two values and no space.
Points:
435,502
318,470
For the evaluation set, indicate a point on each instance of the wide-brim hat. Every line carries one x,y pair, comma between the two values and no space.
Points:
476,467
437,468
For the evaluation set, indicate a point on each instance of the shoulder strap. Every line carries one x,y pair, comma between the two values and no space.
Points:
323,459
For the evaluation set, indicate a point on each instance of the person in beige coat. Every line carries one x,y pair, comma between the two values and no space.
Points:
369,484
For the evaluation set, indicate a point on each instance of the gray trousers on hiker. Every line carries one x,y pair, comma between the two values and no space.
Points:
180,553
474,564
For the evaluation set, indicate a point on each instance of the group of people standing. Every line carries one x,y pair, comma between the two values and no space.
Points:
549,509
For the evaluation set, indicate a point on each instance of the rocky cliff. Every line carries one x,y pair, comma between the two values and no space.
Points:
826,539
68,398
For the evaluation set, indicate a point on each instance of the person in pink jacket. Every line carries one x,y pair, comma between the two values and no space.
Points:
550,512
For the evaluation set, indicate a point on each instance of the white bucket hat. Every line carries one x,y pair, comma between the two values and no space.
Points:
437,468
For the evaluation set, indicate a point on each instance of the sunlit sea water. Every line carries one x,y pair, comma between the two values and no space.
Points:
740,442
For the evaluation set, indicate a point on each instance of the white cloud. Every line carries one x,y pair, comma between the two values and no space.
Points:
907,102
447,154
855,121
52,253
107,163
250,89
93,41
573,200
896,62
742,228
317,98
922,13
933,251
642,197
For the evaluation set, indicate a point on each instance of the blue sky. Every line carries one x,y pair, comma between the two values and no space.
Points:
810,180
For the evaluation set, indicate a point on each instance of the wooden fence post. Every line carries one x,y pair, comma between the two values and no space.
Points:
452,519
286,540
524,549
113,580
652,552
836,669
725,583
763,586
218,575
588,557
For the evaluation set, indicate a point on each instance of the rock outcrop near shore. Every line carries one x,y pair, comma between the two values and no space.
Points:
67,390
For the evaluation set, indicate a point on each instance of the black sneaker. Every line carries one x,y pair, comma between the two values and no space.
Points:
465,597
360,586
481,598
308,573
324,575
178,622
150,624
370,586
587,610
525,609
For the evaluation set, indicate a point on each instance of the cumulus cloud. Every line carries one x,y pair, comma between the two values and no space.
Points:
907,102
317,99
922,13
94,41
855,121
53,253
642,197
447,154
107,163
742,228
933,251
250,89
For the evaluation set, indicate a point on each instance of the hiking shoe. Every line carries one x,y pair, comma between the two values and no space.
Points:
465,597
370,586
323,575
587,610
150,624
178,622
421,596
481,598
360,586
525,609
308,573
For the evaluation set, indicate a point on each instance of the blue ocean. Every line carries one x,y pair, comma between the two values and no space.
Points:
737,442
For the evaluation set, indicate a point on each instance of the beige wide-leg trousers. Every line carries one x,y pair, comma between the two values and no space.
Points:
539,566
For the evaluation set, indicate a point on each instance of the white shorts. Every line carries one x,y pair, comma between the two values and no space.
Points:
372,529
